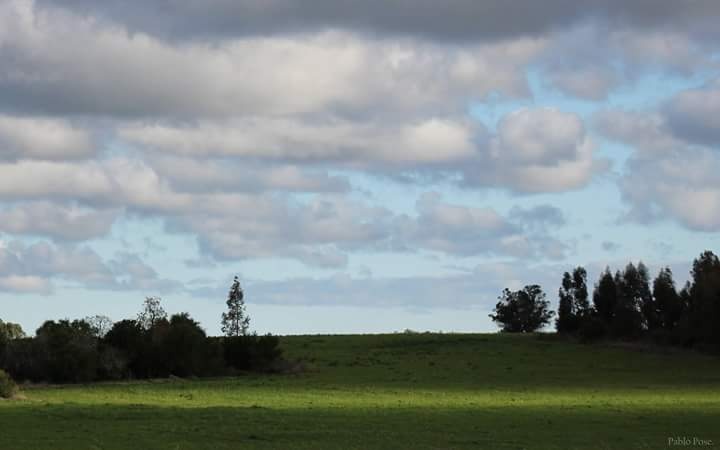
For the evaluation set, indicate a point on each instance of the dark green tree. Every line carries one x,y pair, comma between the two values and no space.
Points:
648,305
523,311
580,291
185,345
669,305
566,321
627,321
68,350
235,321
605,297
703,296
574,307
9,330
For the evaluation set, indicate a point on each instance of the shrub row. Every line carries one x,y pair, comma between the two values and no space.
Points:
73,351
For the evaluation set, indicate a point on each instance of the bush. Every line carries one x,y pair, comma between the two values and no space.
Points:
8,388
239,351
8,332
23,360
214,359
4,343
523,311
177,347
112,364
251,351
74,351
185,346
267,351
127,339
69,351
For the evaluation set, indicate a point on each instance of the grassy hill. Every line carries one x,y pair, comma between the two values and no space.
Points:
401,391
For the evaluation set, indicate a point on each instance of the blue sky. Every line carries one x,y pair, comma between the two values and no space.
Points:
360,170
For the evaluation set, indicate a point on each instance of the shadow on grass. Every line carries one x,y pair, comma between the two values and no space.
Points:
72,426
453,362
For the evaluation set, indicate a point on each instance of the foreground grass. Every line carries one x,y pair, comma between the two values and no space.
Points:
421,391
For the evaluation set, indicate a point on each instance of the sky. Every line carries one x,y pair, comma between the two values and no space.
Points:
362,167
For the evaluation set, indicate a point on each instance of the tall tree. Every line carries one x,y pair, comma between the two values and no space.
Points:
523,311
628,320
580,292
648,306
10,330
151,314
703,293
668,303
566,321
574,306
100,324
235,322
605,296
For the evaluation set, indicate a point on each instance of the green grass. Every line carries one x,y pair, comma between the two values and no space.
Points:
422,391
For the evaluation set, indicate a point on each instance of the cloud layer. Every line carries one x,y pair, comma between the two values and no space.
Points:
268,130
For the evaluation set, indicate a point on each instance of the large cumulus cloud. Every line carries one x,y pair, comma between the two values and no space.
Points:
673,170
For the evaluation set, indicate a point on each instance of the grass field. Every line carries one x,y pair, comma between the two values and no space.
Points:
402,391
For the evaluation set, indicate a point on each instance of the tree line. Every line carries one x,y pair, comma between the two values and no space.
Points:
624,305
152,345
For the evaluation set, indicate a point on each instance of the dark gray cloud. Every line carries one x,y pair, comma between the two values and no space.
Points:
689,119
452,20
693,115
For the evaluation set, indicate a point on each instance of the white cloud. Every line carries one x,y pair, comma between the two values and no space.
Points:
38,138
594,83
121,74
25,284
58,221
537,150
673,171
235,138
328,141
683,185
477,286
38,266
205,175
